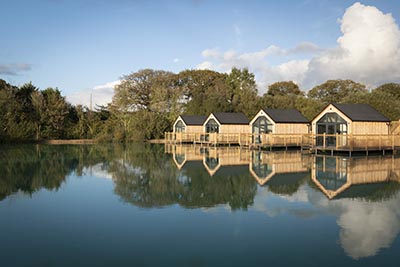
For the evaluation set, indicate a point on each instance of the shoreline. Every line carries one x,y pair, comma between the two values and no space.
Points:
76,142
67,141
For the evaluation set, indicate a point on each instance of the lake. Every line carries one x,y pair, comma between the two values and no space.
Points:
156,205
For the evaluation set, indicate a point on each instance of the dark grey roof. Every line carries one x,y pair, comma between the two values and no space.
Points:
286,116
231,118
361,112
193,119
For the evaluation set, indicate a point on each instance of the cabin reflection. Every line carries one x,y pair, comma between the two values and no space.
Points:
352,177
182,154
217,157
283,167
265,166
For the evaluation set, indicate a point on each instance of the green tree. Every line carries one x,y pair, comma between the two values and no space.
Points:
136,90
144,91
391,89
243,91
38,103
335,90
204,91
284,89
56,113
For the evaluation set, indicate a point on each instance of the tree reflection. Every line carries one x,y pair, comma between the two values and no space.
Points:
145,176
29,168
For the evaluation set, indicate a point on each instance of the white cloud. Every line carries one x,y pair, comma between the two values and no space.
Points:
365,227
257,62
206,65
101,95
176,60
368,51
368,227
210,53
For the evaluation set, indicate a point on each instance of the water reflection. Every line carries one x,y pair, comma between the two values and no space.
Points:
373,178
362,193
28,168
367,200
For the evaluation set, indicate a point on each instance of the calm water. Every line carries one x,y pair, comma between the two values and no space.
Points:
143,205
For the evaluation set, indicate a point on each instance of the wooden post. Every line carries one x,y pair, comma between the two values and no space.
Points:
380,142
393,142
337,141
324,141
301,143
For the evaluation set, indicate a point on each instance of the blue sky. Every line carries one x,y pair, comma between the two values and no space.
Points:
82,47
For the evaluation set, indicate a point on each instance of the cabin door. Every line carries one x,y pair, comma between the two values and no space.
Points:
328,129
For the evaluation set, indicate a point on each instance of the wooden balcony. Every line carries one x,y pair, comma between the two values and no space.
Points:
314,142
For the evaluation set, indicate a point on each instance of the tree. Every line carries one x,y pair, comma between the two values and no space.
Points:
204,91
56,113
391,89
243,91
335,90
136,90
144,94
38,103
284,88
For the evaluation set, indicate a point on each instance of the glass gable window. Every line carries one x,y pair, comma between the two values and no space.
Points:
212,126
330,124
262,125
179,127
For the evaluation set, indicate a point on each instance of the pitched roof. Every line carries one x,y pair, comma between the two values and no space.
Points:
286,116
193,119
231,118
361,112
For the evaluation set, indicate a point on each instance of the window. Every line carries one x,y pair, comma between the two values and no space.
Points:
262,125
179,127
212,126
331,124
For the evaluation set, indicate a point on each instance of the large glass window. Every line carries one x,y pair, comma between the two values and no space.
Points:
179,127
330,124
260,126
212,126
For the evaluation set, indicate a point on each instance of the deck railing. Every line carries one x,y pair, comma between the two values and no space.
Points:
319,141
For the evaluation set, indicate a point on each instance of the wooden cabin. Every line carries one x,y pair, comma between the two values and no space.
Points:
286,125
350,119
186,129
225,128
226,123
189,124
279,121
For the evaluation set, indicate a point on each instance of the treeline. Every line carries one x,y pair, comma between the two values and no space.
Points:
147,102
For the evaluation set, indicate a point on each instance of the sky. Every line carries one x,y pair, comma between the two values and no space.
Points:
84,47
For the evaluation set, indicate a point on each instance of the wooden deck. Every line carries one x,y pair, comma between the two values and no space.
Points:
240,139
311,142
